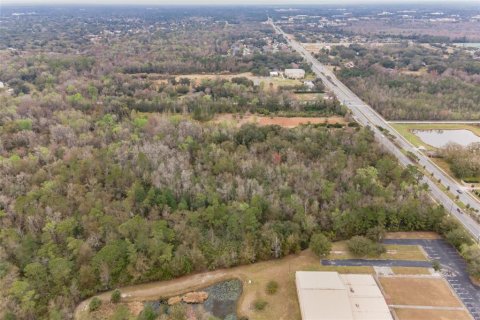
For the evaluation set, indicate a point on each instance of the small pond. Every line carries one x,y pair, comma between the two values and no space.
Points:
221,302
440,138
468,44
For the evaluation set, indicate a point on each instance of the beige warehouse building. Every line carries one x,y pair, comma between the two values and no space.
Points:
294,73
332,296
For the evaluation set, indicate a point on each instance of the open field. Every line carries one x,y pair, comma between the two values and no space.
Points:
434,292
308,96
287,122
405,129
274,81
424,314
394,252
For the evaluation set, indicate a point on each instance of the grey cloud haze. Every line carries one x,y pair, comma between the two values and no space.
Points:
226,2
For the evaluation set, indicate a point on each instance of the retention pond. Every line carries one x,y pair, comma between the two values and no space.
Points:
440,138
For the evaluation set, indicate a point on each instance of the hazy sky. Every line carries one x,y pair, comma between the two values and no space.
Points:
227,2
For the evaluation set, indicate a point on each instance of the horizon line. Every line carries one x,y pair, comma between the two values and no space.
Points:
246,3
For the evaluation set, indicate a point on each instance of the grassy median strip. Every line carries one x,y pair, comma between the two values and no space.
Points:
394,252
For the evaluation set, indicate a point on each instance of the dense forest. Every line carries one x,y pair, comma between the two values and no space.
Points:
111,177
99,202
411,82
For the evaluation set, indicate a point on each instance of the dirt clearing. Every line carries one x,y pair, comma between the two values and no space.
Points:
286,122
433,292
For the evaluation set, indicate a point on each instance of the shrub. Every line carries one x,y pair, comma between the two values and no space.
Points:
259,304
361,246
121,313
149,313
376,233
24,124
458,237
94,304
320,244
436,265
116,296
472,255
272,287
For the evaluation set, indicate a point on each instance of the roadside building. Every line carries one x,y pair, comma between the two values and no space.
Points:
295,73
331,296
309,85
274,74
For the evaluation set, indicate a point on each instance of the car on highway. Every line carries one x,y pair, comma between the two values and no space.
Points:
459,191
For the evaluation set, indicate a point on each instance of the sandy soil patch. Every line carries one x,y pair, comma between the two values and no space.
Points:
433,292
416,314
287,122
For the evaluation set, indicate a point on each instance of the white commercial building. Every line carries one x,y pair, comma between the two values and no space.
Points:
331,296
294,73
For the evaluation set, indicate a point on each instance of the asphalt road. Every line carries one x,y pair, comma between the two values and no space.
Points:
366,116
454,270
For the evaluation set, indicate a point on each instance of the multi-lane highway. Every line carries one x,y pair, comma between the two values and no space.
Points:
366,116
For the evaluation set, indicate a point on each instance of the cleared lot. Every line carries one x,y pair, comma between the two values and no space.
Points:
287,122
419,298
418,292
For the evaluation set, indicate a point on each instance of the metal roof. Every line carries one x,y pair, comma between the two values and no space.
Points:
330,296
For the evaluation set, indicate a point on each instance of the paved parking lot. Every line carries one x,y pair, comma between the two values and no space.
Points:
454,269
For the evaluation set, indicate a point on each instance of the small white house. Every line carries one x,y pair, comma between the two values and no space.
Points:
295,73
2,85
274,74
309,85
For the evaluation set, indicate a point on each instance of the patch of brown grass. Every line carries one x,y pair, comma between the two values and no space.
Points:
418,314
433,292
413,235
410,270
395,252
287,122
